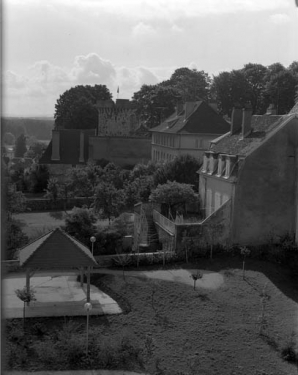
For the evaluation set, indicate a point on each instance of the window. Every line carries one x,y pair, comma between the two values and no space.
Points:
212,163
221,165
230,162
205,162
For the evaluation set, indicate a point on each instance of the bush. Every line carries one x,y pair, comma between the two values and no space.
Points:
289,353
107,240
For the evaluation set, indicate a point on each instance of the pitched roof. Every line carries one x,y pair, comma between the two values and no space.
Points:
56,249
235,144
69,147
203,119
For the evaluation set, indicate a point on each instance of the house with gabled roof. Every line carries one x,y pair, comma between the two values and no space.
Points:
253,170
187,131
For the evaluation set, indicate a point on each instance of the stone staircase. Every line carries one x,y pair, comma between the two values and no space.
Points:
152,235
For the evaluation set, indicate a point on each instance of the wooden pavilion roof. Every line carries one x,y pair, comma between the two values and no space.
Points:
56,249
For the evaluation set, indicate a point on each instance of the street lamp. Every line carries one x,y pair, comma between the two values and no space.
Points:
92,239
87,307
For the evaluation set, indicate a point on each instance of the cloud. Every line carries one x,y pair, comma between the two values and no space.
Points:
143,30
39,89
280,19
176,9
92,69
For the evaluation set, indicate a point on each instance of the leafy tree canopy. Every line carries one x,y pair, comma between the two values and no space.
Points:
79,223
174,195
21,148
76,107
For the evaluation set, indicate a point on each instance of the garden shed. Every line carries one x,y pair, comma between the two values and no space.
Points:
57,250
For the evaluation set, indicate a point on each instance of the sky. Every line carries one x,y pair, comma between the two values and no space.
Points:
49,46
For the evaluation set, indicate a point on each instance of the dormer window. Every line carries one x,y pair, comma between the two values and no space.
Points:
205,162
230,162
221,165
212,163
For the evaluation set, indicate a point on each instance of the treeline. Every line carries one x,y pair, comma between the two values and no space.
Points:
41,129
254,84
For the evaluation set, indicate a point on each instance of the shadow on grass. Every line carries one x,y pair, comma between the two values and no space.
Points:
279,275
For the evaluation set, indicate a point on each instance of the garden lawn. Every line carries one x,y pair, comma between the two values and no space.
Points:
35,224
170,328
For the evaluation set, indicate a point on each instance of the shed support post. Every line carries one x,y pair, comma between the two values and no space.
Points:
82,276
28,282
88,284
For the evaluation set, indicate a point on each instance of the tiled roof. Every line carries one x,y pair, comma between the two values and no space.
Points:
204,119
56,249
236,145
69,147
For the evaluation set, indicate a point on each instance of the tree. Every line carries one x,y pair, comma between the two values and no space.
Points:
182,169
76,107
79,223
36,178
154,103
25,296
14,236
35,150
20,146
108,200
228,88
280,89
173,196
191,84
255,74
9,138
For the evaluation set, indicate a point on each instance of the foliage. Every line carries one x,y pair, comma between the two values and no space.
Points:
108,200
9,138
280,89
173,195
182,169
154,103
191,84
76,107
16,201
53,189
20,148
229,88
289,352
15,238
36,178
35,150
107,241
80,224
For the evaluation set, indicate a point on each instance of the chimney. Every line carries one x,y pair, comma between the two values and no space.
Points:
271,110
82,140
236,119
189,108
55,145
246,120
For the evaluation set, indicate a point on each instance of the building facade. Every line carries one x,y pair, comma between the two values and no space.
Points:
254,167
188,131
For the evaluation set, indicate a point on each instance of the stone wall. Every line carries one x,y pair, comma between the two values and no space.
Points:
123,151
116,121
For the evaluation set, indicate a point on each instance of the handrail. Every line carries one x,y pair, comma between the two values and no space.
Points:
164,222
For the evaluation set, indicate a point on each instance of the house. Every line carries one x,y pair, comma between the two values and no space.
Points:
68,148
187,131
249,177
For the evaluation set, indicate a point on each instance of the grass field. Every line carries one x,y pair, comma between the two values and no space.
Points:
180,330
35,224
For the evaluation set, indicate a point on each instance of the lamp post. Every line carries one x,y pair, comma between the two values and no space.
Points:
87,307
92,239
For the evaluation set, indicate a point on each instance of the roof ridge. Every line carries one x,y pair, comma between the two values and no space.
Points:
31,255
75,241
